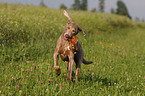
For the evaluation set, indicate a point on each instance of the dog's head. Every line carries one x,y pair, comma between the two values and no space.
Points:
71,28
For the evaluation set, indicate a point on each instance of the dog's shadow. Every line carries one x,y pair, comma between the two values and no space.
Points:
96,78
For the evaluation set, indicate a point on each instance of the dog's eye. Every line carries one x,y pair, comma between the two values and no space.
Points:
68,27
73,30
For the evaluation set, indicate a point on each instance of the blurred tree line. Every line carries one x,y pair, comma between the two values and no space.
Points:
83,5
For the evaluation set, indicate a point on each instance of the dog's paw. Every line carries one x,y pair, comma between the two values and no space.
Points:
67,79
56,67
58,71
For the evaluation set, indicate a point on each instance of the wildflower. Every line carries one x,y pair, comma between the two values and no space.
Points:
30,70
100,42
8,87
108,83
18,86
20,91
2,33
56,84
116,86
100,88
114,83
46,90
48,79
60,88
90,51
33,64
127,79
90,69
1,87
42,72
20,76
134,86
35,68
51,80
74,87
16,22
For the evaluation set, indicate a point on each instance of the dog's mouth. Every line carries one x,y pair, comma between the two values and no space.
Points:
66,36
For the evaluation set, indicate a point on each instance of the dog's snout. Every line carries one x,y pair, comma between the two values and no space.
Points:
67,36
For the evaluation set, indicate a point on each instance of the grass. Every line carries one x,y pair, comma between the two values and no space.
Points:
28,36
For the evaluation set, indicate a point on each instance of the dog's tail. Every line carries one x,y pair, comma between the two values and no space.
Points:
87,62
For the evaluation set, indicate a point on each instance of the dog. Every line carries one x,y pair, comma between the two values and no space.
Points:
71,29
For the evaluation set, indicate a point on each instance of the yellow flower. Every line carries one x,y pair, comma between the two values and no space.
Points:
27,76
2,33
48,79
16,22
102,46
90,51
100,42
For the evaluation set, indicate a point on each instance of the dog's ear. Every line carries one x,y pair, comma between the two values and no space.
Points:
80,29
66,14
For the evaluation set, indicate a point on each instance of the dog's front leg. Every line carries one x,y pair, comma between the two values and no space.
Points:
55,56
70,67
57,68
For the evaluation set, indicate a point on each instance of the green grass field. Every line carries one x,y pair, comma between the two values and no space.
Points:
28,36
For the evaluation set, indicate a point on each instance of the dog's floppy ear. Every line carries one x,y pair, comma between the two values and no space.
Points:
66,14
80,29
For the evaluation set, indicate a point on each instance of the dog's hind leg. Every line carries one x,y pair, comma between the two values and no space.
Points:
77,71
70,67
67,64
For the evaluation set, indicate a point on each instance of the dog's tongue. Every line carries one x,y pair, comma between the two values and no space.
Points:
65,38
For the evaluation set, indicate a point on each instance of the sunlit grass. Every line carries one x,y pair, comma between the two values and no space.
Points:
28,36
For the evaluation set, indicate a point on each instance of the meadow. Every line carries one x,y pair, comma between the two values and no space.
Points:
28,36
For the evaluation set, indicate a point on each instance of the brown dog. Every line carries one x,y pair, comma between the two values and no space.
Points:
62,49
